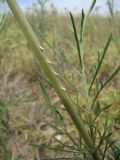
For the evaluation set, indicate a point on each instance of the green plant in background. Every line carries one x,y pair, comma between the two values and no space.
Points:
2,15
111,7
43,23
5,154
40,22
95,138
110,4
5,151
114,22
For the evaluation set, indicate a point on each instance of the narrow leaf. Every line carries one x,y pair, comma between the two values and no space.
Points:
111,77
101,60
106,107
54,149
92,6
45,94
58,118
82,26
97,109
76,38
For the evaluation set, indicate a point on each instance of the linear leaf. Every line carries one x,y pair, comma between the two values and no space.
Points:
92,6
104,84
111,77
73,158
58,118
82,26
100,62
54,149
45,94
76,38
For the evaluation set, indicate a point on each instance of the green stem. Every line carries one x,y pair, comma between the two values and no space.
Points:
34,42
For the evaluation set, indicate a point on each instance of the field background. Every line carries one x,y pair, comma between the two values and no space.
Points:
29,118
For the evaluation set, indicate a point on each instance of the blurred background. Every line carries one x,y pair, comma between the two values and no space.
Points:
75,6
27,118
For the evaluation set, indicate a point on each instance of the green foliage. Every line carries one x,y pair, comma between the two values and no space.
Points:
111,7
2,15
5,154
5,151
40,21
101,134
94,139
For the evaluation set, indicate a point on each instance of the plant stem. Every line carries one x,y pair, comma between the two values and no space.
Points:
34,42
